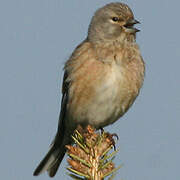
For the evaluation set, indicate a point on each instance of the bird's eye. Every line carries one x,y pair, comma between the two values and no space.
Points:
115,19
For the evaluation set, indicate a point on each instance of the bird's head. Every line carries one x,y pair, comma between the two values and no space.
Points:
115,21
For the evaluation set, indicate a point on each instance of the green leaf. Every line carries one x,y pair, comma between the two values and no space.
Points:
81,160
75,177
80,144
78,173
113,171
109,156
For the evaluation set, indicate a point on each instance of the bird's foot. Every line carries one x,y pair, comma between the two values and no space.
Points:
102,130
114,134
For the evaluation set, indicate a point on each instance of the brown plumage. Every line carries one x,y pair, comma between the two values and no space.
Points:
102,79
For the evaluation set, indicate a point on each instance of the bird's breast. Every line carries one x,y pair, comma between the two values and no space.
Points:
102,92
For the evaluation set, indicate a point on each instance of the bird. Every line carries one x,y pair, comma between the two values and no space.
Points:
102,78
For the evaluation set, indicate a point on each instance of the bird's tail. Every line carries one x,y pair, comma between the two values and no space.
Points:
51,161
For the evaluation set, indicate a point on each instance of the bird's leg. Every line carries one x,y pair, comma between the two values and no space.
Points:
102,130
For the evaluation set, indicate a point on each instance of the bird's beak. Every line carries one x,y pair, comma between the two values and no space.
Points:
129,26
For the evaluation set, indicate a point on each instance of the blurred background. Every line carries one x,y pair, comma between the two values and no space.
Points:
37,37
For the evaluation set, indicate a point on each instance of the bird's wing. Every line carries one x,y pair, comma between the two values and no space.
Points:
71,65
63,104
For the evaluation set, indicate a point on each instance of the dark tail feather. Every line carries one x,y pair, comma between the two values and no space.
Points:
52,171
51,161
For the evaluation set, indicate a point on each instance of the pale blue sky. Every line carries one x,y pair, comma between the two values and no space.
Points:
36,37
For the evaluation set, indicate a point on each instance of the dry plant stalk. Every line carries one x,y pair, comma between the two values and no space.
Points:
89,156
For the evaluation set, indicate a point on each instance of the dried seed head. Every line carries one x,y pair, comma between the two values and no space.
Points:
89,154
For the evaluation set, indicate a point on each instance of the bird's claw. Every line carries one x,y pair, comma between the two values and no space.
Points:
114,134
